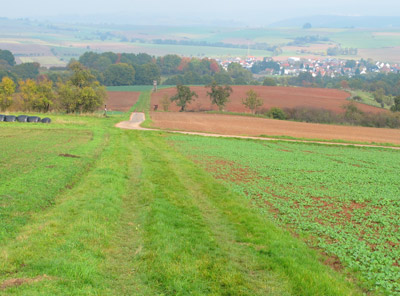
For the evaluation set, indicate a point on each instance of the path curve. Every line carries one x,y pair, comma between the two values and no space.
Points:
134,122
137,118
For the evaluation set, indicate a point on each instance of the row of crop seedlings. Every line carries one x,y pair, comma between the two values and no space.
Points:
23,118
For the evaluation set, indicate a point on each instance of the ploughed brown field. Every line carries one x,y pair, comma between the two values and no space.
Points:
273,96
252,126
121,100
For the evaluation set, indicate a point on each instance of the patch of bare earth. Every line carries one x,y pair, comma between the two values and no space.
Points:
20,281
272,96
250,126
121,100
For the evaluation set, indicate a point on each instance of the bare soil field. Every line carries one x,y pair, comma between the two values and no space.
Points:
273,96
390,54
25,49
251,126
121,100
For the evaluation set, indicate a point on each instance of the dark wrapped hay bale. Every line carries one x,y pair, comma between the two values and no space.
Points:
46,120
22,118
2,117
10,118
33,119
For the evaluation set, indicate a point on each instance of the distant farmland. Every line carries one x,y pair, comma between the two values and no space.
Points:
283,97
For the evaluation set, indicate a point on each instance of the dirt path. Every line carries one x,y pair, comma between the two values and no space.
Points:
137,118
134,122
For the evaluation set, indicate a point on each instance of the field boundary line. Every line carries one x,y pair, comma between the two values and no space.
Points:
137,118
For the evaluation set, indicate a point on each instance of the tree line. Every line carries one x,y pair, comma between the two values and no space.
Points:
113,69
81,92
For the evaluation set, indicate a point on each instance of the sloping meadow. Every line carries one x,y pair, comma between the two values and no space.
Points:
342,200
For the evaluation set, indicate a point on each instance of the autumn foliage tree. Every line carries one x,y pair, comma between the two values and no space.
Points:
219,95
38,96
7,89
82,92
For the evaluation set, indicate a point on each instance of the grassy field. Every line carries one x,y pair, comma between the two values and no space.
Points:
88,209
343,200
367,98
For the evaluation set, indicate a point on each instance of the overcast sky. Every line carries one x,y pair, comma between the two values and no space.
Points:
251,12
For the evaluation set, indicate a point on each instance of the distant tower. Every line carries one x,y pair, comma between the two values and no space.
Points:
154,85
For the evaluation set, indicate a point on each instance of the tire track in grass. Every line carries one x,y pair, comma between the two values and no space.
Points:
178,256
66,244
183,233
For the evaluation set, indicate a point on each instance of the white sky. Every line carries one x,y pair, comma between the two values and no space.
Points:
250,11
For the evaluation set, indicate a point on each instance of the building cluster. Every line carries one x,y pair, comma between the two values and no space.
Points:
331,67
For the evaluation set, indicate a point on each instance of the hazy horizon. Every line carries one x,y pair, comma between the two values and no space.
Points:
253,12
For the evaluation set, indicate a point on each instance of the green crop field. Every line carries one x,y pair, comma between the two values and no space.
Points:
89,209
343,200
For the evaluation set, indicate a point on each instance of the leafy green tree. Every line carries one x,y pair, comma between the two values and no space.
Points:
119,74
379,94
239,75
307,26
252,101
7,89
276,113
89,59
102,63
169,63
7,56
183,96
219,95
146,74
260,66
27,70
268,81
223,78
82,92
136,60
396,106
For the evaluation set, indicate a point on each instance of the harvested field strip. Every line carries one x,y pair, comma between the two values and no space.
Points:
121,101
249,126
344,200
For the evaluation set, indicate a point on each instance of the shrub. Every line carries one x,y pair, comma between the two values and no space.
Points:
276,113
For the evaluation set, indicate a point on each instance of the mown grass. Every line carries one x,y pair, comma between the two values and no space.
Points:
143,105
37,164
141,219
